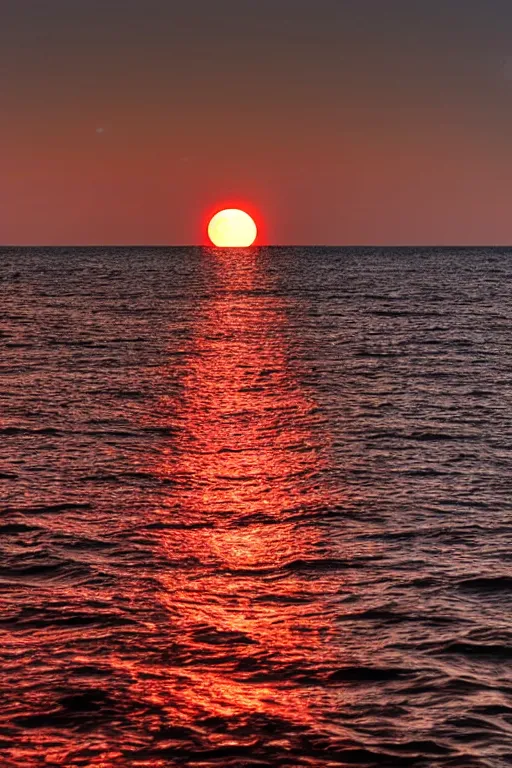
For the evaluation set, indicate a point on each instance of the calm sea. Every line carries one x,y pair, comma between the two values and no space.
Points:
256,508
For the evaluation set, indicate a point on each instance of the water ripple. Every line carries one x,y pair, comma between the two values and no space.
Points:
255,508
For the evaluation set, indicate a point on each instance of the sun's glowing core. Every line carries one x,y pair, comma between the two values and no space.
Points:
232,228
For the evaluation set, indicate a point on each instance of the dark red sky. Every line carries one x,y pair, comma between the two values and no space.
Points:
341,121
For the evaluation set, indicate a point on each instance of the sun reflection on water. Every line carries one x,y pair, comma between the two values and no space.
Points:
248,466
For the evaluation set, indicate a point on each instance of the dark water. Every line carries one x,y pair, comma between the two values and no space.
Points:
256,508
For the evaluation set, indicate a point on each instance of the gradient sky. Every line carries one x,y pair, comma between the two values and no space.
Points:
340,121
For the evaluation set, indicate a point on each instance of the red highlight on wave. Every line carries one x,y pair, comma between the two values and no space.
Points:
243,205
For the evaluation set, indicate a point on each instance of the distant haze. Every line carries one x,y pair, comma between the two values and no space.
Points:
340,121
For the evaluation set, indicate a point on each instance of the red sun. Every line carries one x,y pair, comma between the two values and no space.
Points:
232,228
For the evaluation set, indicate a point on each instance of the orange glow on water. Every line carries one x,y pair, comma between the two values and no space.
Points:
247,468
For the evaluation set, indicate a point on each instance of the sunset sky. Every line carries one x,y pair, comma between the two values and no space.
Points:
339,121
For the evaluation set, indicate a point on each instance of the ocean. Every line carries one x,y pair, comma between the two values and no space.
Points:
256,507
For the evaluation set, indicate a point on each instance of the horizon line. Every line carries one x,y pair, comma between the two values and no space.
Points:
63,246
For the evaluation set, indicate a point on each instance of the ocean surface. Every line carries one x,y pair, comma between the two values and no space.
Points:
256,508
